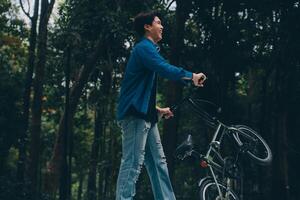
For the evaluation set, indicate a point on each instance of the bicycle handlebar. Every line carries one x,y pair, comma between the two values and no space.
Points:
198,109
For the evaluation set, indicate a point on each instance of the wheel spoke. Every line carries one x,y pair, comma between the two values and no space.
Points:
252,143
209,191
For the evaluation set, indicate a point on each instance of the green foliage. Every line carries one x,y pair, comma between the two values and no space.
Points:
12,58
242,86
248,49
4,7
10,118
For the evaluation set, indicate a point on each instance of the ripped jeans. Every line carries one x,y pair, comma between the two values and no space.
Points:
141,144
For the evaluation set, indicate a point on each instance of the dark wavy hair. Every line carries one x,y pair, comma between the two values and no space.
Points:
143,18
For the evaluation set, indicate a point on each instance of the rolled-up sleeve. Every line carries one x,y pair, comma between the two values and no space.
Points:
151,59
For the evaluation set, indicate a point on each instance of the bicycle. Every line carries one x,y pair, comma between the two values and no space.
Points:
217,185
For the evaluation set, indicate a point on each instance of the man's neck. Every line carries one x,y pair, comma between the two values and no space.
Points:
150,38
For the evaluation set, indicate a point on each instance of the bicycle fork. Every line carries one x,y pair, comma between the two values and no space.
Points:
207,157
210,168
228,185
217,183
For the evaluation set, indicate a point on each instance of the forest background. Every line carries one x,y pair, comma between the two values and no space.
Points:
61,66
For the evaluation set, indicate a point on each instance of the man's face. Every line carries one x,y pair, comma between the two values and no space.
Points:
155,30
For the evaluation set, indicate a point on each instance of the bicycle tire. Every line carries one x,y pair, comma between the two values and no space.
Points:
257,148
209,191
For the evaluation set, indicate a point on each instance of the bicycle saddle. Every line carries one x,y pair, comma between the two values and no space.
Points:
184,149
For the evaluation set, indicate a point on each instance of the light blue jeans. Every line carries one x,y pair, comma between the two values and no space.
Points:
141,142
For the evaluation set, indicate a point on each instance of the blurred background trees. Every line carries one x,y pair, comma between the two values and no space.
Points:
61,65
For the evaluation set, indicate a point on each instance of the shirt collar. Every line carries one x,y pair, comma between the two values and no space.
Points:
155,45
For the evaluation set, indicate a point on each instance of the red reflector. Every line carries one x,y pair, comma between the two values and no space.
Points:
203,164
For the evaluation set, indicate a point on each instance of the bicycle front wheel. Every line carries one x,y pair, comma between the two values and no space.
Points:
255,146
209,191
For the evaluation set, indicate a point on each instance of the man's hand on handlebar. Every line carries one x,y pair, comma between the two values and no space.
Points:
198,79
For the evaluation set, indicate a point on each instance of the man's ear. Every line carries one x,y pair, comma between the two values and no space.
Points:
147,27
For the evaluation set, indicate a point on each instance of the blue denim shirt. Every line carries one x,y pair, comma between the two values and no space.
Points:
139,76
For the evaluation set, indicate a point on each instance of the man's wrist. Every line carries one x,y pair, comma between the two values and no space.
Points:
188,76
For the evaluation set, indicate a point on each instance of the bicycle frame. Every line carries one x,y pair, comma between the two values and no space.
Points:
225,165
214,147
213,151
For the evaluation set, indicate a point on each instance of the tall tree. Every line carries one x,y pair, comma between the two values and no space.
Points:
101,111
27,90
45,12
54,165
174,90
85,17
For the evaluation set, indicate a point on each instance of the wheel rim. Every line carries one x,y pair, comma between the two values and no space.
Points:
257,148
210,192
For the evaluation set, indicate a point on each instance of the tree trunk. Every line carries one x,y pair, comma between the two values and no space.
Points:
280,163
106,181
263,129
91,190
65,179
52,174
105,168
80,187
46,10
101,168
174,90
26,96
281,188
283,155
109,108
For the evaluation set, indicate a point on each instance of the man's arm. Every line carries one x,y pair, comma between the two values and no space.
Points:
152,60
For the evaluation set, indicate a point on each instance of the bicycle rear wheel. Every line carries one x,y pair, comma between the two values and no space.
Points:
255,146
209,191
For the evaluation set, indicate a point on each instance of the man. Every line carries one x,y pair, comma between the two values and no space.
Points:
138,115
